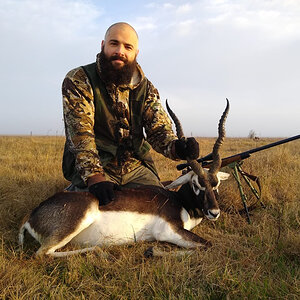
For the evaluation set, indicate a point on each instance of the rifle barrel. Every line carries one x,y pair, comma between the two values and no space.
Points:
204,160
274,144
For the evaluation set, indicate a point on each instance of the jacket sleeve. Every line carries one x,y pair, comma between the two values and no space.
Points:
79,110
158,126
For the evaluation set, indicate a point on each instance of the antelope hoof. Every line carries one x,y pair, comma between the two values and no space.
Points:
149,252
207,245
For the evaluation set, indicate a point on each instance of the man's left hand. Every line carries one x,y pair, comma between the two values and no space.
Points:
187,148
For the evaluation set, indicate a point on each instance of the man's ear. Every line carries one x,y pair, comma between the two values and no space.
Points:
102,44
137,52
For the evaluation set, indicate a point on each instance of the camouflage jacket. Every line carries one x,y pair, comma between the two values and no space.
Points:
79,118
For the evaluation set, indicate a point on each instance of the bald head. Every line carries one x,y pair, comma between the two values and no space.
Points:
121,26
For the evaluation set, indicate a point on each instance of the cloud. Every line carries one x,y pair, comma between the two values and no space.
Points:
185,27
185,8
196,53
39,41
277,19
167,6
243,50
53,17
144,23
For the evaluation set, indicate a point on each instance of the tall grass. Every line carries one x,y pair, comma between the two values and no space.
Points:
260,260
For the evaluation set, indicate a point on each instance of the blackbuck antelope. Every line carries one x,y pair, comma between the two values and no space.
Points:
144,214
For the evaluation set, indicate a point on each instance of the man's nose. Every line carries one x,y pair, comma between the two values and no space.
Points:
120,50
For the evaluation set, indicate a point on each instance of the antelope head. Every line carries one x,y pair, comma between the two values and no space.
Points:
200,179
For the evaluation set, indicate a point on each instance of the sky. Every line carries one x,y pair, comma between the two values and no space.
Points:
197,53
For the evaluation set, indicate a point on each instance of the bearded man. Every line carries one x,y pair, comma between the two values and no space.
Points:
108,105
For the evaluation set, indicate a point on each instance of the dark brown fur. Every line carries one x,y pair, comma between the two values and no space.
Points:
58,207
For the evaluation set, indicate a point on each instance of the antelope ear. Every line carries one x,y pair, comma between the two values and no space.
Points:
223,175
180,181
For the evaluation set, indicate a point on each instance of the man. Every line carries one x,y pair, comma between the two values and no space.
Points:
108,105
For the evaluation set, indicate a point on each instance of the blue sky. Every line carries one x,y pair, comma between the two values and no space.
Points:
196,53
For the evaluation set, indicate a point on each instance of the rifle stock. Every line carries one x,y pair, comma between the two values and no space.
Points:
227,160
207,160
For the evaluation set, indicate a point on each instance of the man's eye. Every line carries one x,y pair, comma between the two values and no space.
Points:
129,47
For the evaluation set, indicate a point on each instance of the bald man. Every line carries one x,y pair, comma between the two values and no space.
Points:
108,105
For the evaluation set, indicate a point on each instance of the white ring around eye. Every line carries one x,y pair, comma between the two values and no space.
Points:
196,190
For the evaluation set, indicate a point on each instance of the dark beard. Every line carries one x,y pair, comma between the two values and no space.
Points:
110,74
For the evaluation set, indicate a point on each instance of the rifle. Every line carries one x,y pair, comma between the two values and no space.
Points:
207,160
235,162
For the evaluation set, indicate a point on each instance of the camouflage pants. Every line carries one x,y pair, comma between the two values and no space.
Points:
139,176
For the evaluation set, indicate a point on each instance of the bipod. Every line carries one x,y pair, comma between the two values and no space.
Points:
237,171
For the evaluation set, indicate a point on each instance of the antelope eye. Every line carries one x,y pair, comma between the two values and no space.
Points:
216,195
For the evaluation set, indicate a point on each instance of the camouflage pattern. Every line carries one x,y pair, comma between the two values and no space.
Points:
79,117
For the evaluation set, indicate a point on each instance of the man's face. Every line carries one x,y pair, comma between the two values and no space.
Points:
120,46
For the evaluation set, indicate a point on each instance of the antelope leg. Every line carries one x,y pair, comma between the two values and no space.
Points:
155,251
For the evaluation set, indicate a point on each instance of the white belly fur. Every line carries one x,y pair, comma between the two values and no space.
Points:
118,228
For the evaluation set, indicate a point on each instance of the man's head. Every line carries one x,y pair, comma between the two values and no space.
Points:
119,50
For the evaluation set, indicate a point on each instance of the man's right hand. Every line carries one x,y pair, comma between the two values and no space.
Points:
104,191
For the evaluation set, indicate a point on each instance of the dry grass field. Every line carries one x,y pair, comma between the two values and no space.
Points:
260,260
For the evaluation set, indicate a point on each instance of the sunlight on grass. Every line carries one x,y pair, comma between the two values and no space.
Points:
260,260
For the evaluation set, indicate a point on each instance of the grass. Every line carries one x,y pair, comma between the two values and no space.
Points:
260,260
